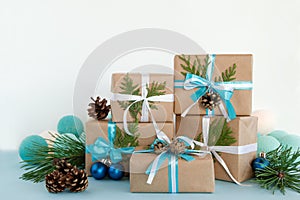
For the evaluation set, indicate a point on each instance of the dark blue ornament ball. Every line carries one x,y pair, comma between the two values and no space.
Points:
116,171
260,163
98,170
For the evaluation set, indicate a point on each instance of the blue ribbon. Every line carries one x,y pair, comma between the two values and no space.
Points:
102,148
224,89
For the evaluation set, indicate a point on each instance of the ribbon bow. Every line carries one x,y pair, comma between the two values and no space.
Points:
209,140
102,148
145,106
224,89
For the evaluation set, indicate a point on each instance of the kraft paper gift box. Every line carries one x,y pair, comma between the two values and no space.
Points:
160,88
244,131
242,96
95,129
193,176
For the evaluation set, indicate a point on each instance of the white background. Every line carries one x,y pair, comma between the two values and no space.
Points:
43,45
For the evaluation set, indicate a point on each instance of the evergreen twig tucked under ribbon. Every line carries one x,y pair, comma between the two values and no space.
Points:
63,147
128,87
124,140
283,171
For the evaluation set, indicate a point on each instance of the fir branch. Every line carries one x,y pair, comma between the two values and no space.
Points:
283,171
63,146
228,74
196,67
124,140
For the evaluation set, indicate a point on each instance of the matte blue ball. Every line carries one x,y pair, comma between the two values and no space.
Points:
28,144
70,124
98,170
116,171
260,163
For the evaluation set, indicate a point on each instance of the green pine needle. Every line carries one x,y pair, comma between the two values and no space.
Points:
64,147
124,140
196,67
283,171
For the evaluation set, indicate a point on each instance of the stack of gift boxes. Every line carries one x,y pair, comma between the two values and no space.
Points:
210,95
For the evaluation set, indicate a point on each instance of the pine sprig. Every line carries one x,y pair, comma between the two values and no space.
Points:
283,171
124,140
196,67
64,147
228,74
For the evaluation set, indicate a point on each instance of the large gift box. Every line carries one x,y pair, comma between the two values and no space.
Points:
145,132
193,176
240,133
228,76
141,97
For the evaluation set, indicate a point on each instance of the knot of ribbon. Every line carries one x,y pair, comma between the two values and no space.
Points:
224,89
103,149
145,106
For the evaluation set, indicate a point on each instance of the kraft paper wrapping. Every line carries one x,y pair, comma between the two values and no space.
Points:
244,131
164,111
241,99
95,129
194,176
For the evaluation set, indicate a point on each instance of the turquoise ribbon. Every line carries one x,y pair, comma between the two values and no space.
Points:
224,89
102,148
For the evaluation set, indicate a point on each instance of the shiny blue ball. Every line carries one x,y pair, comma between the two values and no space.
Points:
260,163
70,124
116,171
98,170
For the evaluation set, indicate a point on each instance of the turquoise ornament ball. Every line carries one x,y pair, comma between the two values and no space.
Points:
291,141
278,134
28,144
70,124
266,144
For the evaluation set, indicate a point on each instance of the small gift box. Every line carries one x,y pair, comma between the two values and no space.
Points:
97,132
213,84
142,97
172,167
236,143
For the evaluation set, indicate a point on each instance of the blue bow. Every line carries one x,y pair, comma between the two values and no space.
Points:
102,148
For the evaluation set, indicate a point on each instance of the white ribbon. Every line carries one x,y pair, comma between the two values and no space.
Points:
225,149
145,107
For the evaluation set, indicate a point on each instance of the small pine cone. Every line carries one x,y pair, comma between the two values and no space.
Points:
177,147
76,180
98,109
62,165
55,182
159,147
210,100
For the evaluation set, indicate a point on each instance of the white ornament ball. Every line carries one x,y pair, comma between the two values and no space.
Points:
266,121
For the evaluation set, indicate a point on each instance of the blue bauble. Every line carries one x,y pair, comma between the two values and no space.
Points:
70,124
116,171
98,170
260,163
28,144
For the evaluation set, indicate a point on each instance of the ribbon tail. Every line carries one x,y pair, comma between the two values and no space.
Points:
230,109
189,108
154,167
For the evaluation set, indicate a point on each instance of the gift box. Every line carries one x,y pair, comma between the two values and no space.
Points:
241,133
145,132
145,96
228,76
193,176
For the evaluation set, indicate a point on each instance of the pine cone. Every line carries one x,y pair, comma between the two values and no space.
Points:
62,165
55,182
99,110
76,180
159,147
210,100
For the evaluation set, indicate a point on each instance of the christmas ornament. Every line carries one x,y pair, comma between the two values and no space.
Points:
98,170
41,163
260,162
29,144
70,124
210,100
55,182
266,144
98,109
283,170
116,171
266,121
291,141
278,134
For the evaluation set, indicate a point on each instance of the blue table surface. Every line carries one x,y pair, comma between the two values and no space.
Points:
14,188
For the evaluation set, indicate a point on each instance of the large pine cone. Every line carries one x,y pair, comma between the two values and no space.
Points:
62,165
98,109
55,182
76,180
210,100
